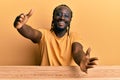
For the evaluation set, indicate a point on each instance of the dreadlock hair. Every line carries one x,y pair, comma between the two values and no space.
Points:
52,24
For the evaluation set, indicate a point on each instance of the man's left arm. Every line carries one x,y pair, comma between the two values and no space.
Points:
81,58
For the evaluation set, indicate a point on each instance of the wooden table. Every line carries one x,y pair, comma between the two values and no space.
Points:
58,73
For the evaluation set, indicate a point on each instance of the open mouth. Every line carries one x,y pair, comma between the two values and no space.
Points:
61,23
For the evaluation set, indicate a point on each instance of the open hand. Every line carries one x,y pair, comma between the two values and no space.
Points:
87,62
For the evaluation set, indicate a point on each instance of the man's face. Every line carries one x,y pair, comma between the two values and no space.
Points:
62,18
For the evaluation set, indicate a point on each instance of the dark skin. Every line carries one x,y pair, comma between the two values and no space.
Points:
61,19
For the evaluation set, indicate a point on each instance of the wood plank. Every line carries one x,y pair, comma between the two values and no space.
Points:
105,72
58,73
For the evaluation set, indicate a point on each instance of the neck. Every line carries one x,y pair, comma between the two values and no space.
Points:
60,33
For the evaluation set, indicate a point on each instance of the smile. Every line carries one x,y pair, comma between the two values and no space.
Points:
61,23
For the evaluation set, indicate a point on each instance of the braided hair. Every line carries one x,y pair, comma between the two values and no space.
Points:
62,5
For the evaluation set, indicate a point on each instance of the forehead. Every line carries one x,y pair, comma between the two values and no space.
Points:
63,9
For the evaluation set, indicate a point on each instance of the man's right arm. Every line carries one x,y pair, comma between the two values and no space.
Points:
26,30
30,33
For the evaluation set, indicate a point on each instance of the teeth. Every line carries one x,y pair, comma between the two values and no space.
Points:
61,22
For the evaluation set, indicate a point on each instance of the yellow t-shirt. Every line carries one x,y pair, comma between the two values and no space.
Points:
55,51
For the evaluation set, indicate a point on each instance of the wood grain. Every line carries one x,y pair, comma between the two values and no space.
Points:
58,73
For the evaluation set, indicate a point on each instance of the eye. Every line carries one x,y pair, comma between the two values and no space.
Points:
66,16
58,14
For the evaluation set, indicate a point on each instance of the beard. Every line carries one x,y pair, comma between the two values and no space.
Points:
57,28
60,29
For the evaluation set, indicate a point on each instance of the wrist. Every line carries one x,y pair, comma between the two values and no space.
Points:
83,65
83,68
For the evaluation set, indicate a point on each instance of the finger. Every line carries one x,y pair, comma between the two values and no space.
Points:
30,13
89,66
20,19
92,63
18,25
22,16
88,52
93,59
16,20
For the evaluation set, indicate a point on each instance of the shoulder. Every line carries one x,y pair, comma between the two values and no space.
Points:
75,37
74,34
42,30
45,33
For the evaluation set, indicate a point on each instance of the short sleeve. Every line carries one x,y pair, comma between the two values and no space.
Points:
42,31
75,37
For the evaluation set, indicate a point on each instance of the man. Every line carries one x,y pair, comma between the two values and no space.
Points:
58,46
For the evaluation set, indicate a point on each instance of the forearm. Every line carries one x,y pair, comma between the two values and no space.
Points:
25,31
77,52
81,58
30,33
78,56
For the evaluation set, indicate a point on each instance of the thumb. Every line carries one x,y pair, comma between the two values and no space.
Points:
88,51
29,14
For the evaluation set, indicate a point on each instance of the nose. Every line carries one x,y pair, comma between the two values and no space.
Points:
62,17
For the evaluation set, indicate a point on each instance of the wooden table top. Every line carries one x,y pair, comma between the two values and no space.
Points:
58,73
